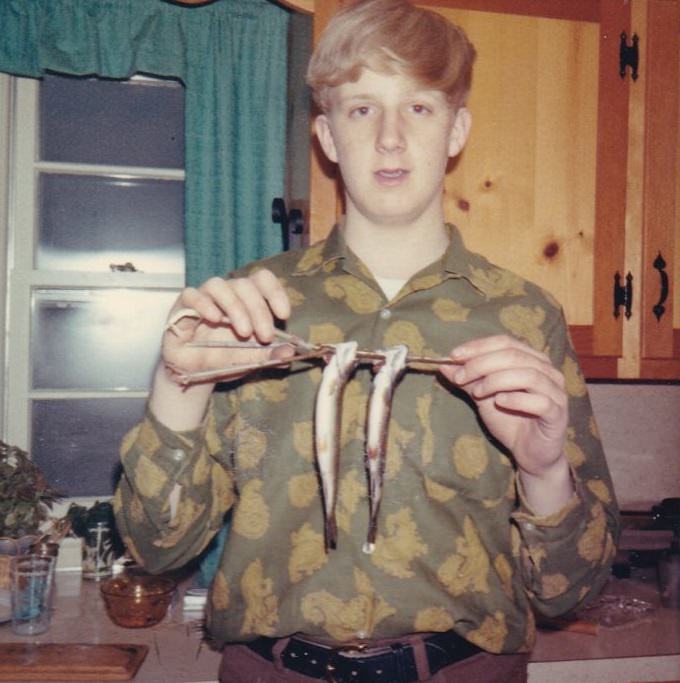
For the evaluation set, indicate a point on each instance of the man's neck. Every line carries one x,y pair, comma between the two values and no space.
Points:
396,251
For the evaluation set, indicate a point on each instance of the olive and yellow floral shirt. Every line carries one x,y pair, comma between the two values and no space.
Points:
457,547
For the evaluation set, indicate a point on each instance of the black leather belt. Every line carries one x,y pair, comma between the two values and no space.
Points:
393,663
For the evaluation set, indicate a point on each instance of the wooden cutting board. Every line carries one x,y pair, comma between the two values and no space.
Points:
70,661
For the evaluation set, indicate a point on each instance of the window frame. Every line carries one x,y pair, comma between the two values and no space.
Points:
20,170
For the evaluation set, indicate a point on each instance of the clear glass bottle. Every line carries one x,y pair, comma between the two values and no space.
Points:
98,553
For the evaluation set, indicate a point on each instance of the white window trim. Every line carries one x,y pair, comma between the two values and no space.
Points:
19,172
5,105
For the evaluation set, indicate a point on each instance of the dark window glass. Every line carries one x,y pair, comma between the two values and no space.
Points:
126,123
76,443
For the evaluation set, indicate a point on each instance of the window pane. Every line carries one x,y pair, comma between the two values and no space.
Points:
88,223
128,123
76,443
99,340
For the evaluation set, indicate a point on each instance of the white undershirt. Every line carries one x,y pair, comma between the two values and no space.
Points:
390,285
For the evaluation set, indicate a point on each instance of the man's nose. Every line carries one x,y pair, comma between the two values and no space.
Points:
390,136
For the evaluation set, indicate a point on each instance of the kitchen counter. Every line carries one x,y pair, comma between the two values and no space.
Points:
176,653
646,650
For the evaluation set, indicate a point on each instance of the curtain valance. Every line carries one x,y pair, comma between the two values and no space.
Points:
231,56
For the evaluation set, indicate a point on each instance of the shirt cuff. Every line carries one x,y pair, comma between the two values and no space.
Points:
172,450
560,523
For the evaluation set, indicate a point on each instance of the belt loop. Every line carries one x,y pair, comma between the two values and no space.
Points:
399,664
422,662
279,646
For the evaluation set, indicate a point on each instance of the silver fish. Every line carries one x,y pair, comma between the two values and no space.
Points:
379,409
327,418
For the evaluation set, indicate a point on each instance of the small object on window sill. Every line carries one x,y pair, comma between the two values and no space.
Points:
126,267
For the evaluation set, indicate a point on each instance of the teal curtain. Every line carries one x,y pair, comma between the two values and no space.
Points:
231,56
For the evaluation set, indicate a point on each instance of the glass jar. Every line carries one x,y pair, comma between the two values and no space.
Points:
97,546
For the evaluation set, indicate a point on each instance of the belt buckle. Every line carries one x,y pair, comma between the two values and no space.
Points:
335,651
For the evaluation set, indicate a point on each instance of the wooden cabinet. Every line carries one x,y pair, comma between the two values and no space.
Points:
572,172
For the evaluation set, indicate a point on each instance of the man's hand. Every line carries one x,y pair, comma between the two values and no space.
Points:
522,400
250,304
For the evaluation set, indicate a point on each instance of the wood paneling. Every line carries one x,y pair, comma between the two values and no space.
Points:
523,191
610,187
661,175
324,191
575,10
572,172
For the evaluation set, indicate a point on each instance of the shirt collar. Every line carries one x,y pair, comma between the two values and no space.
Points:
457,261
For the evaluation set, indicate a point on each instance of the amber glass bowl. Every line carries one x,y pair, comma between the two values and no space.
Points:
137,600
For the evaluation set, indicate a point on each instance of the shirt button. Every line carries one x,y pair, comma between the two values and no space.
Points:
529,526
385,314
177,454
362,635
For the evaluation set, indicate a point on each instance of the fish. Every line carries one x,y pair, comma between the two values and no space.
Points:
327,421
379,408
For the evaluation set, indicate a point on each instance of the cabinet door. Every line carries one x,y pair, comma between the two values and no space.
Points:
541,186
660,180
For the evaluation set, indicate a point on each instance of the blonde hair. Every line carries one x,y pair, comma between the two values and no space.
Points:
392,36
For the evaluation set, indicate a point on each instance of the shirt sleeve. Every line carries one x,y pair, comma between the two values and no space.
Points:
566,557
174,491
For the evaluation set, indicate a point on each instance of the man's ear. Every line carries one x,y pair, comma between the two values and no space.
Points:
460,131
322,126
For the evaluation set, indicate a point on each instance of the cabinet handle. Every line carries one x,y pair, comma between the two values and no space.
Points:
623,295
660,265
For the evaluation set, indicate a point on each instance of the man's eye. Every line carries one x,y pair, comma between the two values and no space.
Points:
360,111
419,109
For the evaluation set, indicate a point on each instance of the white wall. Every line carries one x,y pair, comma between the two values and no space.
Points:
640,428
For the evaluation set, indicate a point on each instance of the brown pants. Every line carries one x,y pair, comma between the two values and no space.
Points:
241,665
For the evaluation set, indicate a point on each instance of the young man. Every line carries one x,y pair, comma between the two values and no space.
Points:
497,501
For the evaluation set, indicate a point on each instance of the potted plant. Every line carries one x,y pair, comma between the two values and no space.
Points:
101,542
26,499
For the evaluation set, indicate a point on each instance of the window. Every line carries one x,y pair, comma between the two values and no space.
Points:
96,259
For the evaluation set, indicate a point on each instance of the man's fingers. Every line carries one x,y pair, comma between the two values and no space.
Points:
530,381
273,292
496,343
249,303
508,358
536,405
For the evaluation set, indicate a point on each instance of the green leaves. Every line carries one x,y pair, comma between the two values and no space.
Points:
25,496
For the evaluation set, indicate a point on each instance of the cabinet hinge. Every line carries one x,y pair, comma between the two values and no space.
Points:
629,56
623,295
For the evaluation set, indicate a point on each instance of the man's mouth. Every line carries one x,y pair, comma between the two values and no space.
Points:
391,175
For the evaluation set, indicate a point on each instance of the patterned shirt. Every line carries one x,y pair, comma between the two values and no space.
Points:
457,547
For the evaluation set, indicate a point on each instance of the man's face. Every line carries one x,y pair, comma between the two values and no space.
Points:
392,140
